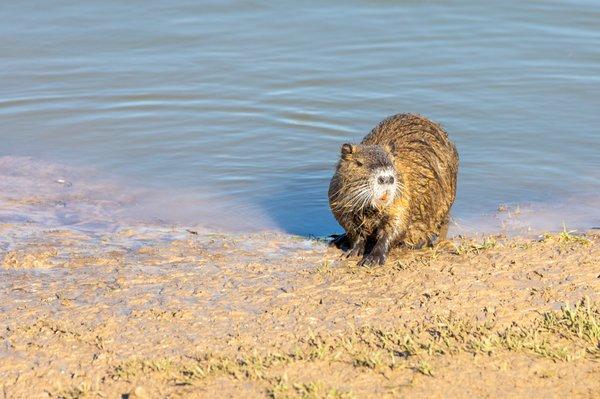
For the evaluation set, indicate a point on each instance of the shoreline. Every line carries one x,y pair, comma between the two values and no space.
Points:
177,313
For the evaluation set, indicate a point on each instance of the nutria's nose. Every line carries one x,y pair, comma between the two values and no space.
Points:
386,180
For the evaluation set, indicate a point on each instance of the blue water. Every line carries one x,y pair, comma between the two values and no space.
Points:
243,105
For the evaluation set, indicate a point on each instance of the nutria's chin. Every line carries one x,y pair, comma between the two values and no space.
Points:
394,188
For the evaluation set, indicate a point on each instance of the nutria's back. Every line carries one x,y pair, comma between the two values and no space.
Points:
428,162
425,166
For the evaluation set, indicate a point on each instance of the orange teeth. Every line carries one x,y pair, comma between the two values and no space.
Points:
384,197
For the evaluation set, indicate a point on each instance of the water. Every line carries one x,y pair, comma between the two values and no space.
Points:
242,106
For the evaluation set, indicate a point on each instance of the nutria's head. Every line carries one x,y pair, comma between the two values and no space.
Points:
366,178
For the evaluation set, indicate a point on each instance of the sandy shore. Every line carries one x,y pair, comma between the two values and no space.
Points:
175,313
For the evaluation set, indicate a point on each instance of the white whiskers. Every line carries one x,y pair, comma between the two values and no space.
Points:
354,198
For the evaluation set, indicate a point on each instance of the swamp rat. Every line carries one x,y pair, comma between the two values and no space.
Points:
394,188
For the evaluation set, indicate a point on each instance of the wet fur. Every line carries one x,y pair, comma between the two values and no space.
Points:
426,166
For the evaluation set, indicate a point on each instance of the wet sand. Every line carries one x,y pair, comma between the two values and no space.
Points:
169,312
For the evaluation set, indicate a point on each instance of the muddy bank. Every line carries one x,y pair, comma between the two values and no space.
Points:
162,312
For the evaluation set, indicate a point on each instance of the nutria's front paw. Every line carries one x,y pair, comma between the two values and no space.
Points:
358,249
374,258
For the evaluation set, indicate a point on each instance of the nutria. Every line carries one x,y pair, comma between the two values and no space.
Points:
394,188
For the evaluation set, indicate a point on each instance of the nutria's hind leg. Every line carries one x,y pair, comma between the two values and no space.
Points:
443,235
442,238
340,241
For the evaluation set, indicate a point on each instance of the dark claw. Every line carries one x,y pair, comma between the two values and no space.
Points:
358,249
433,240
419,245
372,259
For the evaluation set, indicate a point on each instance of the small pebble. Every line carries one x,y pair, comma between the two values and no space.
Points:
139,393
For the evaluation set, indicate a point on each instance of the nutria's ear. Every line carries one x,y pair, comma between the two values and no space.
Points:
347,149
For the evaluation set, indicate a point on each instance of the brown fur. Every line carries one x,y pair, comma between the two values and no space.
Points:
426,165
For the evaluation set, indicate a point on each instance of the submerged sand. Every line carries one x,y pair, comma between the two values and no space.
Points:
151,312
